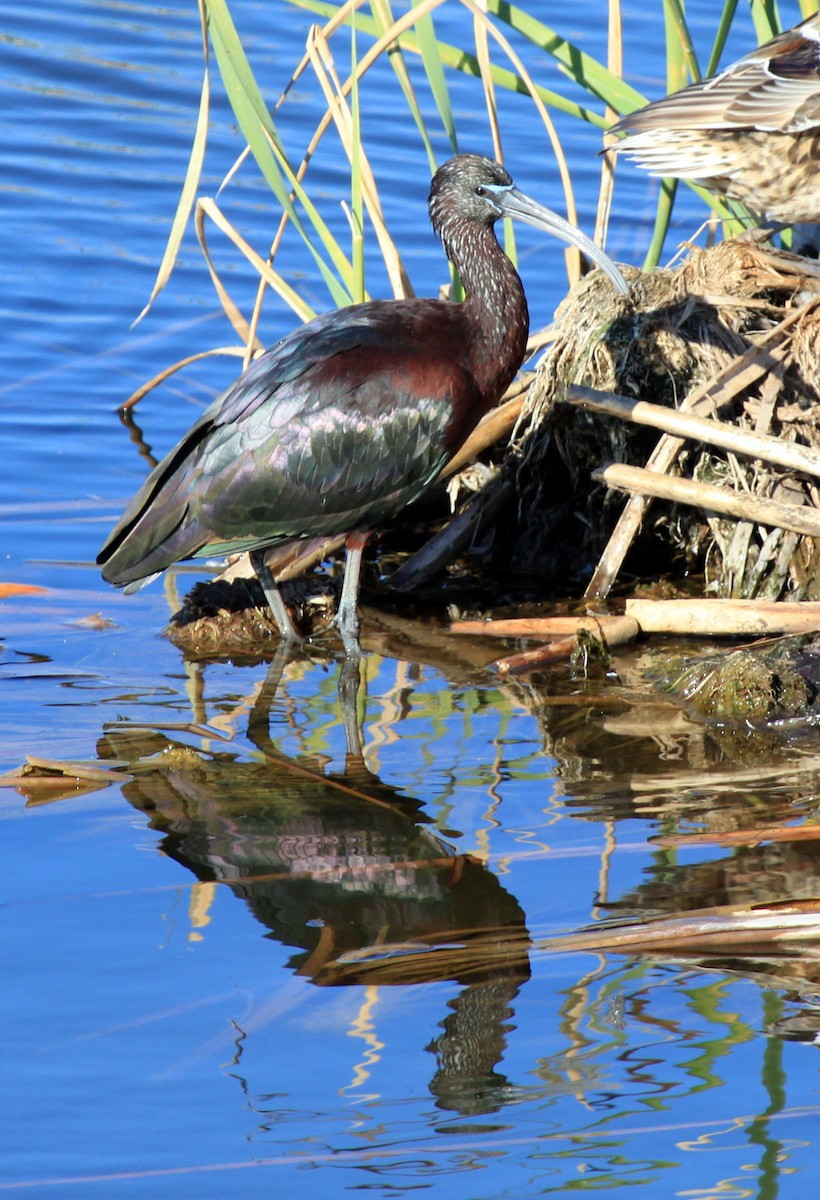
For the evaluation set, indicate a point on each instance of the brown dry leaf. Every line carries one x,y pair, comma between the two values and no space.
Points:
44,780
20,589
93,621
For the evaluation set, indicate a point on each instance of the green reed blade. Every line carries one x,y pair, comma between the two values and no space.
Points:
261,134
598,80
462,60
384,16
766,19
724,25
356,201
190,184
434,69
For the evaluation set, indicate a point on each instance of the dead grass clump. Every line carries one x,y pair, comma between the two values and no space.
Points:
232,618
733,335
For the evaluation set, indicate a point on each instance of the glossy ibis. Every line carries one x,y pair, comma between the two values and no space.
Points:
351,417
751,133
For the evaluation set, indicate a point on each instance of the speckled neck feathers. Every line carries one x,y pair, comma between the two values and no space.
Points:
496,306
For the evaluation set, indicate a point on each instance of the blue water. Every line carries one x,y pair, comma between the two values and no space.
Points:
208,984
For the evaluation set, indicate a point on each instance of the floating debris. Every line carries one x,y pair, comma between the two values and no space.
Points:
747,685
93,621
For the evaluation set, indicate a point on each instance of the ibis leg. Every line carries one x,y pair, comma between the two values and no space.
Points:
274,597
259,716
349,687
347,618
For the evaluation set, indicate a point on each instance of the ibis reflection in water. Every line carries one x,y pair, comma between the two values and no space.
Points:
350,418
349,873
751,133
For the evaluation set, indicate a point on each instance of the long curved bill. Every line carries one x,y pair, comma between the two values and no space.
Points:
520,207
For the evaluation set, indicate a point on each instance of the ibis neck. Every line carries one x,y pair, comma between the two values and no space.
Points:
496,307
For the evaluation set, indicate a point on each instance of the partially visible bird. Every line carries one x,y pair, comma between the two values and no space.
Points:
350,417
751,133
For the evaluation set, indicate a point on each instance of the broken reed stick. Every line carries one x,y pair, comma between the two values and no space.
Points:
741,505
541,656
443,546
608,626
700,429
742,837
719,618
722,928
492,427
706,618
286,562
739,374
612,631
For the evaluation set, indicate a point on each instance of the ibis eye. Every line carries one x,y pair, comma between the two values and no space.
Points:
480,190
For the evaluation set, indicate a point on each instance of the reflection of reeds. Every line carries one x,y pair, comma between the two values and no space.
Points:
726,930
482,954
